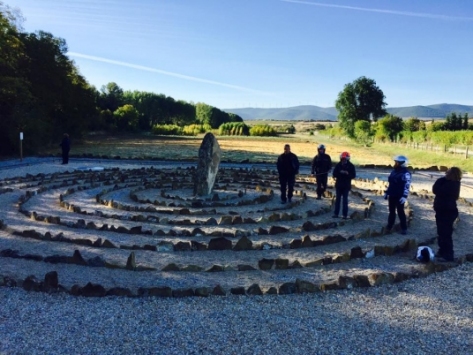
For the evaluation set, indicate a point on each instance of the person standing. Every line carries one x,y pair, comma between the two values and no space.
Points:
343,172
321,166
65,147
288,168
397,193
447,191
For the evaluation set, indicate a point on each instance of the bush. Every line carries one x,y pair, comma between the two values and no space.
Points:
263,131
233,129
167,130
195,129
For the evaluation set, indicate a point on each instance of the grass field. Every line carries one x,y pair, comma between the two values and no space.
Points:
257,149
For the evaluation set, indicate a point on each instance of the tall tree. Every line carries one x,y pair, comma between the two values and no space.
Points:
360,100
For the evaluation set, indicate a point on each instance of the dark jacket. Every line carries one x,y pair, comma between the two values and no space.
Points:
321,164
344,180
288,164
446,193
65,144
399,183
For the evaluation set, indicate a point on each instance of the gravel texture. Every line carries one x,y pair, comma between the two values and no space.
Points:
432,315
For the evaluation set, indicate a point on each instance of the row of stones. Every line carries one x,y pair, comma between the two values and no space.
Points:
51,284
263,264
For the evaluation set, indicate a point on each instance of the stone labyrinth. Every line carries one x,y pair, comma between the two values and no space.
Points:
141,232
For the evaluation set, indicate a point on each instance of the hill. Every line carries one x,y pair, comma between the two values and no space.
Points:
309,112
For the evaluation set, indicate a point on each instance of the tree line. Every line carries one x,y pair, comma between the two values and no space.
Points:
43,95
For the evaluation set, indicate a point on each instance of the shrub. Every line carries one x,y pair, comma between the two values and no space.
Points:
263,131
167,130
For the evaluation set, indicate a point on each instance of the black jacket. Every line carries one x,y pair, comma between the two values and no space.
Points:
288,164
321,164
446,193
344,180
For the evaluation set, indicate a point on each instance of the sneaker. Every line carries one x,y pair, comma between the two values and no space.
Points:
388,228
283,202
404,232
289,200
318,198
345,217
335,216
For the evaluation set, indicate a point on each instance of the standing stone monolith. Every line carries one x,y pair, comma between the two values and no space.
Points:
207,166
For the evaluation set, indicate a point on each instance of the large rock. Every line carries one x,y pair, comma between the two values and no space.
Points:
207,167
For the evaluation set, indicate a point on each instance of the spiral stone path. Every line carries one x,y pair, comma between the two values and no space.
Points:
139,231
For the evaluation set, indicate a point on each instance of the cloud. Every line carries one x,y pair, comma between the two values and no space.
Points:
164,72
389,12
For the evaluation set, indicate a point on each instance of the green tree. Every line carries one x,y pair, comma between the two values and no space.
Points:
126,118
359,100
390,126
413,124
363,132
111,97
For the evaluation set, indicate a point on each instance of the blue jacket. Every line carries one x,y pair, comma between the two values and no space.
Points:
399,183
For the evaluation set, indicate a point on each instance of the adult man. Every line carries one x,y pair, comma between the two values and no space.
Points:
344,173
321,166
65,147
288,168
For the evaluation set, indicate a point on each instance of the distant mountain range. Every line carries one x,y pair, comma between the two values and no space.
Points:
308,112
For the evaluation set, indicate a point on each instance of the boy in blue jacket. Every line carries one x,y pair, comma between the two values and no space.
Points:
344,173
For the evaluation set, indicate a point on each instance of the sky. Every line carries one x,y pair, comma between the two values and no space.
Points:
267,53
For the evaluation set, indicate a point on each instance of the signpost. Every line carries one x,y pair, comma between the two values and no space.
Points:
21,146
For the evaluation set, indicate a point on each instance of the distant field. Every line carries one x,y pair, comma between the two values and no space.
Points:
256,149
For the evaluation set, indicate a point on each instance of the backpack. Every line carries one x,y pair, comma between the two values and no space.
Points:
425,254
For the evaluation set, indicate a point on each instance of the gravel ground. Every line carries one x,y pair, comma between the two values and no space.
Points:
432,315
429,315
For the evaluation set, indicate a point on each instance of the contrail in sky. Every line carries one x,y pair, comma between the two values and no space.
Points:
164,72
390,12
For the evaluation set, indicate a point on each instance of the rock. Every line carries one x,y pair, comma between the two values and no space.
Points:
243,244
32,284
77,258
380,278
332,239
165,246
303,286
119,291
295,244
356,252
220,244
131,262
254,290
202,291
295,265
96,261
362,280
216,268
93,290
265,264
187,292
171,267
306,242
238,291
243,267
287,288
271,291
218,291
282,264
198,246
160,291
308,226
182,246
207,166
51,281
192,268
277,230
108,244
346,282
